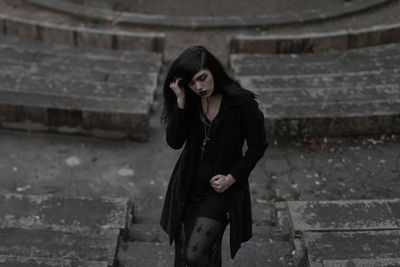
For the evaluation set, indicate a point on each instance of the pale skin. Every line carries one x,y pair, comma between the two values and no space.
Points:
202,84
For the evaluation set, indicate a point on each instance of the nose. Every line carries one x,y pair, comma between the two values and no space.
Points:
198,86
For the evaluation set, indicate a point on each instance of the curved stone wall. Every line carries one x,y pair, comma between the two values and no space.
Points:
198,22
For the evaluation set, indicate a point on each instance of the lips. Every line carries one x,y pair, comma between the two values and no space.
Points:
202,93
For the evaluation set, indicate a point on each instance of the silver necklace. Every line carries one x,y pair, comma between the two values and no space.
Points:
206,133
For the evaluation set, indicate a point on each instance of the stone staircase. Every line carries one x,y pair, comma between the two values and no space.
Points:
355,92
149,246
343,233
76,90
62,230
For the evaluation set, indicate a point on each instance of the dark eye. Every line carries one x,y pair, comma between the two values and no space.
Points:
190,84
203,77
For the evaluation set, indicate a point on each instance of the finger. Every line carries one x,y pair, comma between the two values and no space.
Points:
216,177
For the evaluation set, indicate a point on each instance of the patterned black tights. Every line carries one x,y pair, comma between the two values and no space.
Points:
202,235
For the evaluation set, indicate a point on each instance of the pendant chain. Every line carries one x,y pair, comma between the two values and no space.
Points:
206,133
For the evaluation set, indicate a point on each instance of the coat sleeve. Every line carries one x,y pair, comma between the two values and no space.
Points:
255,134
176,131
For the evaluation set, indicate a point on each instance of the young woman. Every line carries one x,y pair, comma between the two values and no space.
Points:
211,116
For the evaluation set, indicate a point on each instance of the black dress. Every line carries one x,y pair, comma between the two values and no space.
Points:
203,200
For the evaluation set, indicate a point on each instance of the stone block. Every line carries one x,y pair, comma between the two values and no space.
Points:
140,42
2,25
295,45
359,248
63,213
363,39
56,34
98,245
9,261
390,36
94,38
147,254
253,45
339,42
340,215
21,28
116,124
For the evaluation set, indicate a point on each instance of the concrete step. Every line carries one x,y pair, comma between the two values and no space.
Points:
100,246
56,29
344,233
252,254
7,261
348,93
149,246
64,213
76,90
169,18
12,44
343,215
370,248
311,42
349,57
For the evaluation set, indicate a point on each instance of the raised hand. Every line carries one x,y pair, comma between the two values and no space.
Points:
179,91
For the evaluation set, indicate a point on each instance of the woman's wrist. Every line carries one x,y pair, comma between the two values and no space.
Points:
181,102
230,179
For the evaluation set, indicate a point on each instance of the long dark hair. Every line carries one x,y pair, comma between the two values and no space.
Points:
191,61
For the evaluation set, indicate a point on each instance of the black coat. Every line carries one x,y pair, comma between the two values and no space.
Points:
241,120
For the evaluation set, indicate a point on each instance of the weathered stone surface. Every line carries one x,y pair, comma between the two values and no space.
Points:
98,245
7,261
394,207
94,38
82,35
21,28
260,254
140,42
74,90
147,254
63,213
196,22
349,93
56,34
365,248
66,52
255,254
315,42
340,215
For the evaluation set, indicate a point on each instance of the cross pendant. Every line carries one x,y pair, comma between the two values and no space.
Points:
203,146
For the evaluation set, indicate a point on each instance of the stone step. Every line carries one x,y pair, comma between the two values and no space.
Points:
76,33
64,213
7,261
343,215
76,90
355,93
350,57
64,87
154,233
318,68
98,245
206,22
322,85
139,254
311,42
252,254
135,63
358,248
15,45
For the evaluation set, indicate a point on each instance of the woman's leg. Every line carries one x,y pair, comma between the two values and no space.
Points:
202,235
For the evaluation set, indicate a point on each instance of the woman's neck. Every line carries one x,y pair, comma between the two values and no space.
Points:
211,105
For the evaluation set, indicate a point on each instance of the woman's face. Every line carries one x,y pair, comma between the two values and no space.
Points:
202,83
